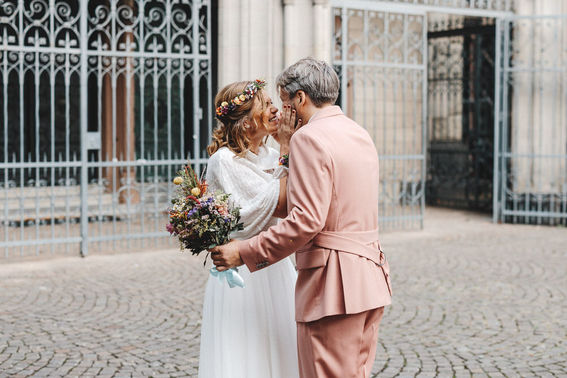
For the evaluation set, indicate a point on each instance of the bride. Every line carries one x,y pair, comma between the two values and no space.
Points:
250,332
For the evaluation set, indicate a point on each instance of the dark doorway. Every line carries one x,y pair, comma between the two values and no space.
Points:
461,113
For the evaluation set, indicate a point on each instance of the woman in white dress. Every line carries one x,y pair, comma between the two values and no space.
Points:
250,332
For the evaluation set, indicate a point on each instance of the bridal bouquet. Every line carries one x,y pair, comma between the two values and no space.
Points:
202,220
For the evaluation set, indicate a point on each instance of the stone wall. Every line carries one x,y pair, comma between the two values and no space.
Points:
259,38
538,96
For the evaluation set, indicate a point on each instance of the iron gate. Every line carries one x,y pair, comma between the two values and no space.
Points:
102,101
460,113
531,120
381,59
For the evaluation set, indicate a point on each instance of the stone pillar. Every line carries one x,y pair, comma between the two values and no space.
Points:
250,41
322,33
229,41
538,99
290,35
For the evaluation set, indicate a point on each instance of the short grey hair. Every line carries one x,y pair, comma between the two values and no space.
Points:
314,77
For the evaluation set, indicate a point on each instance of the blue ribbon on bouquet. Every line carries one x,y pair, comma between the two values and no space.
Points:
231,275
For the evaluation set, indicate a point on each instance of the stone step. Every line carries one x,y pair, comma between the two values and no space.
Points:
48,204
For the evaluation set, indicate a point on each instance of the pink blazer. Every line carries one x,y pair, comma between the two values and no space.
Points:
333,201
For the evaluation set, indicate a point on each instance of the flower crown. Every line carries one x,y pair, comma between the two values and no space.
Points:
249,92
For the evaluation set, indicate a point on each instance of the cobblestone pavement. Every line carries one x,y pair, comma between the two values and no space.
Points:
470,299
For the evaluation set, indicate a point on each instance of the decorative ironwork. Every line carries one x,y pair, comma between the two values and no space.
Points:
494,5
102,101
460,114
531,166
482,8
380,59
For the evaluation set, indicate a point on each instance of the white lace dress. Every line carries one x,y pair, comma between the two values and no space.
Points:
249,332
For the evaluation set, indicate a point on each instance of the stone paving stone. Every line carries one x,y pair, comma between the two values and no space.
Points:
470,299
122,374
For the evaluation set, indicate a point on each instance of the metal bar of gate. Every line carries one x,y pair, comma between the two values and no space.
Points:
83,121
5,75
21,75
344,32
497,99
196,105
424,107
503,124
209,76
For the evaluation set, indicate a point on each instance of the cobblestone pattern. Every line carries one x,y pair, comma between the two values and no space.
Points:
475,299
470,299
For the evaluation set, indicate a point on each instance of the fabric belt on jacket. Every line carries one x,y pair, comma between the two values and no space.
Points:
356,243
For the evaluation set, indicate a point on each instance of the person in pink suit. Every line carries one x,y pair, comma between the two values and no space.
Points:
343,279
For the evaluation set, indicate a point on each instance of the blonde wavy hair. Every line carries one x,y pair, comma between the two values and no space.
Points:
230,131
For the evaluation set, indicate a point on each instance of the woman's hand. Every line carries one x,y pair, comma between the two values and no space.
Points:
287,126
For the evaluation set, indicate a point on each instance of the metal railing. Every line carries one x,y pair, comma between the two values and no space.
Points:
495,5
102,102
381,59
531,120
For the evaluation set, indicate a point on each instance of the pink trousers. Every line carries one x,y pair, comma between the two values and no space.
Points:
339,346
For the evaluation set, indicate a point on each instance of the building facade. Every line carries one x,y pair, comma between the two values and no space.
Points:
104,100
465,99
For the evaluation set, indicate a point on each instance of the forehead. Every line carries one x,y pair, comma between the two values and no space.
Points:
283,95
263,99
265,95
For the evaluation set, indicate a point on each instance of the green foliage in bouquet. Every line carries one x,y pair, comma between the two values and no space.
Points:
200,219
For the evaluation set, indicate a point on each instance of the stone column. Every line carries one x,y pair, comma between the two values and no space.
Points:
298,30
289,38
250,40
322,33
538,99
229,41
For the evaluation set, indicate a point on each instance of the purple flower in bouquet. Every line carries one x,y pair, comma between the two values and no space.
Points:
169,228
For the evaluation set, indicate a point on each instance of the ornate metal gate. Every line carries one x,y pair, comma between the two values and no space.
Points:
102,101
531,127
381,58
461,112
